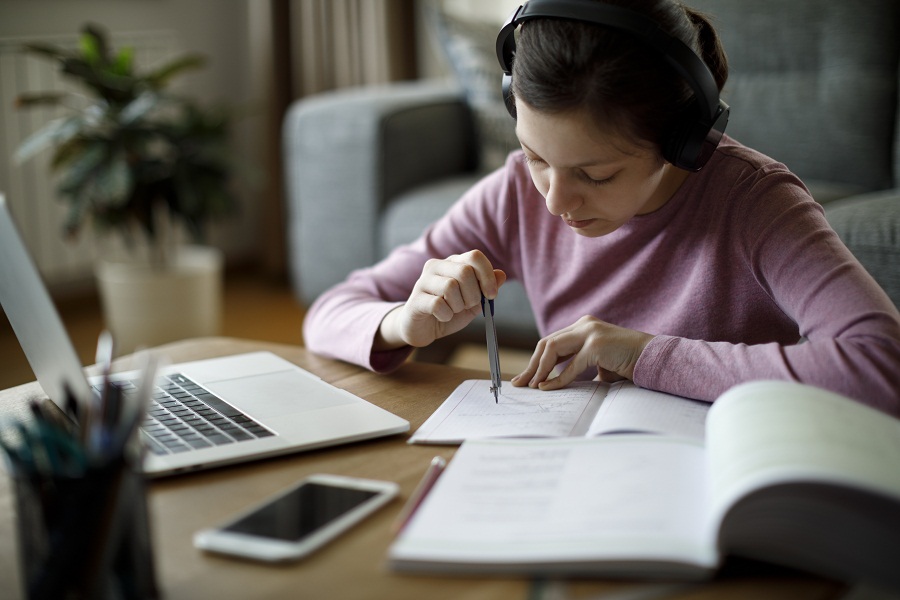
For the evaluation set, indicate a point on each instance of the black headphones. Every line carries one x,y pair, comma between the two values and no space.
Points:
693,141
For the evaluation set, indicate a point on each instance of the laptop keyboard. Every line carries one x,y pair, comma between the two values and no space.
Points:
185,416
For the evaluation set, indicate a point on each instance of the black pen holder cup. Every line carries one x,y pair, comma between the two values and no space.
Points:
85,537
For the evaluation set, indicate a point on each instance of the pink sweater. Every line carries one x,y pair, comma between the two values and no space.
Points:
729,275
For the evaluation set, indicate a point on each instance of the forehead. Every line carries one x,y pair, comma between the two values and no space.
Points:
572,138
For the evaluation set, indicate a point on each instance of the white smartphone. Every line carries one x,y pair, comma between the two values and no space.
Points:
299,520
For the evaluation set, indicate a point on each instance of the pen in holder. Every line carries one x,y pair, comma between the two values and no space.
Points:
83,528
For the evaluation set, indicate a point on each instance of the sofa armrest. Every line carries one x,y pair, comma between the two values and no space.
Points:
347,153
869,224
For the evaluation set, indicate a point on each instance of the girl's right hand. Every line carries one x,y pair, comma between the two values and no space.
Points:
446,297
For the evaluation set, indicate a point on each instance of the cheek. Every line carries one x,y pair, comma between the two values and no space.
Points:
540,179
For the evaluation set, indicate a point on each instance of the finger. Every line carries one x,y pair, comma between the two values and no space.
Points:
566,377
524,378
456,279
427,303
451,291
451,281
539,365
499,277
485,274
555,349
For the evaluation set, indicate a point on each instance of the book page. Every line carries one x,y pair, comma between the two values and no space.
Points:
629,408
620,498
765,432
471,412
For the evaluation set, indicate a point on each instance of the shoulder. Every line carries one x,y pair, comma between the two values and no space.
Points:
757,198
504,193
740,170
512,178
743,184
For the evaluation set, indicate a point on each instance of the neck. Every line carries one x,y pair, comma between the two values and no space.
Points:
670,182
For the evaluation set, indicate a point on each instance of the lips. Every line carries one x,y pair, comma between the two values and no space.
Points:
578,224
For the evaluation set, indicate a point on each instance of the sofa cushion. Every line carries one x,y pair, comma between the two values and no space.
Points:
897,136
826,192
815,87
469,47
407,216
870,227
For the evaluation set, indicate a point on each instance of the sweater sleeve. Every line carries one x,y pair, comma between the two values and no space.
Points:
850,329
343,322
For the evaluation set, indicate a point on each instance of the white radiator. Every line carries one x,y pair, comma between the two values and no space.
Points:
29,186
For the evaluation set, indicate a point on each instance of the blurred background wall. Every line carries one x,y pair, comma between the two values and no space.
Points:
262,55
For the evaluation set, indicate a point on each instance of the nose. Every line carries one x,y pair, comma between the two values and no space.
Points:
561,196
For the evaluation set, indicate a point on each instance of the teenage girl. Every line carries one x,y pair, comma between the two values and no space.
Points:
651,246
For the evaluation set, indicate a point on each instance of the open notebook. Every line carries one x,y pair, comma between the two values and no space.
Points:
205,413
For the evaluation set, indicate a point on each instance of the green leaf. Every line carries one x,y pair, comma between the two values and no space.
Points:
114,182
67,152
81,170
124,61
47,50
112,88
39,99
90,49
161,76
94,44
55,132
139,107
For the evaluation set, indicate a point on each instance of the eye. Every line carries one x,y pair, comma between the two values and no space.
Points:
592,181
532,162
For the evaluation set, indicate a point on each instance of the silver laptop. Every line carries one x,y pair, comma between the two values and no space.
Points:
205,413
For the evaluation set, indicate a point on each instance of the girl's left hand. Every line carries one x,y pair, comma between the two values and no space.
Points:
588,342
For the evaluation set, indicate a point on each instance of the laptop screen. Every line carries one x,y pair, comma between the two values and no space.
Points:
33,317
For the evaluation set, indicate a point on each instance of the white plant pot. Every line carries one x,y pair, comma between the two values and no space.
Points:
146,306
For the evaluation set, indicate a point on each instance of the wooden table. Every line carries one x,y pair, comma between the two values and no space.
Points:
354,565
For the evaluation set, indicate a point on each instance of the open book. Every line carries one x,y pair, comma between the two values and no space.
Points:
586,408
788,474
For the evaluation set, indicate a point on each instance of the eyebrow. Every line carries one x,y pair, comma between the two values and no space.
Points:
595,163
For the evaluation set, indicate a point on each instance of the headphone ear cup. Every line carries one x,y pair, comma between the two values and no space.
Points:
693,141
508,99
673,148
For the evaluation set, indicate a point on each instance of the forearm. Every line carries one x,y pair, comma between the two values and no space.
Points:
865,368
343,324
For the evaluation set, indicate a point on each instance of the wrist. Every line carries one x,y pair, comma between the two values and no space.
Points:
643,340
387,337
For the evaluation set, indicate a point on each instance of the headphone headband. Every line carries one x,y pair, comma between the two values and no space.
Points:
714,112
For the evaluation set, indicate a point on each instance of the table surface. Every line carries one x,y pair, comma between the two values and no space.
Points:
354,565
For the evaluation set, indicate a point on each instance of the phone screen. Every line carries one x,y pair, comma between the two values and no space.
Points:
301,511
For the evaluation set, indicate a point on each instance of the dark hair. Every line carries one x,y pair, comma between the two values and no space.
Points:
563,65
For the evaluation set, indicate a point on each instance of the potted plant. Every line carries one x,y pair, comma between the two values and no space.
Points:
142,165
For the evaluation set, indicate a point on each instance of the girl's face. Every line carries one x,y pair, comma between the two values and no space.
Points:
593,180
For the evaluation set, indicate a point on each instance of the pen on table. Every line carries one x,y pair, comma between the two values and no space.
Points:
415,499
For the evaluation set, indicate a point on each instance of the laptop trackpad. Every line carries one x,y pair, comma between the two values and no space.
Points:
273,394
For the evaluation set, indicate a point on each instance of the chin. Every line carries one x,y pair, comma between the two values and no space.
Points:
596,230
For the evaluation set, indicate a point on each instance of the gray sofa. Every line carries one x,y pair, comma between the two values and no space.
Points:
814,84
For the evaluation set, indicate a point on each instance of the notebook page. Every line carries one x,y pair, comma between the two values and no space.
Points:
574,499
470,412
764,432
629,408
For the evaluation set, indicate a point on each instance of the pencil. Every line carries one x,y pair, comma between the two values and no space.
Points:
415,499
